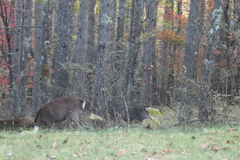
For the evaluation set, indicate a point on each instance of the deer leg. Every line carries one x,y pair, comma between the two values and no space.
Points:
76,120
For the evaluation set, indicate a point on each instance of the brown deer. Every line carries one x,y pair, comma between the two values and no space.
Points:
66,107
135,111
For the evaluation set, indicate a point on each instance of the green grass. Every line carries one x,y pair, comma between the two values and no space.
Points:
133,143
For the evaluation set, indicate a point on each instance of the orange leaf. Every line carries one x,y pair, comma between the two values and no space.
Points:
154,153
54,145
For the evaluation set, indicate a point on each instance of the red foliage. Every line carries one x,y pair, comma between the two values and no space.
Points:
169,36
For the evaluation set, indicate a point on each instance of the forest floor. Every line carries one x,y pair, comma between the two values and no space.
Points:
220,143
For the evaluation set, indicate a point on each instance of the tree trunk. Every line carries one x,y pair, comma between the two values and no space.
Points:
16,58
217,30
105,37
63,47
166,49
41,56
188,87
149,49
37,58
80,49
134,47
119,54
25,56
91,50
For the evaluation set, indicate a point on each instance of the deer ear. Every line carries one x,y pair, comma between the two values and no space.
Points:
83,104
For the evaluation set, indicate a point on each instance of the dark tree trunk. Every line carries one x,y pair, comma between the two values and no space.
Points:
63,47
25,56
105,37
134,47
149,49
80,49
119,54
188,86
91,50
16,58
218,19
37,58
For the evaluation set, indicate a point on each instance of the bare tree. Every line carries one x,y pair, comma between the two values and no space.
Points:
91,49
63,47
117,57
7,19
24,55
105,37
166,49
43,41
188,86
37,58
149,49
215,34
80,49
134,47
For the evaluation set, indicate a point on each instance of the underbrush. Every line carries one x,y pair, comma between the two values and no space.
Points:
219,142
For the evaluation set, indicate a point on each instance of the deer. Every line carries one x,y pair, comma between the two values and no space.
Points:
133,111
63,108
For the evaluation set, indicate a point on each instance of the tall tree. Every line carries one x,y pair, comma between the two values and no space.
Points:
118,55
166,48
25,55
63,47
149,49
16,58
134,47
91,49
105,37
221,56
188,86
37,58
7,19
80,49
41,80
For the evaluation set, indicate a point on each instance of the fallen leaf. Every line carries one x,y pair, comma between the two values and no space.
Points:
52,157
203,145
74,155
121,152
167,151
95,117
54,145
25,132
66,139
214,148
154,153
162,152
228,141
150,159
40,136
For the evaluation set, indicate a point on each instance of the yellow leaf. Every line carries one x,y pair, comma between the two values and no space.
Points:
154,112
95,117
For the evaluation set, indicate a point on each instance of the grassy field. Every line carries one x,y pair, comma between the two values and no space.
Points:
219,143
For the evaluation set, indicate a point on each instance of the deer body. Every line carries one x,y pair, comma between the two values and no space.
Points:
66,107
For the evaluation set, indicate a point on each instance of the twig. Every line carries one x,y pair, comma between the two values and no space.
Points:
35,26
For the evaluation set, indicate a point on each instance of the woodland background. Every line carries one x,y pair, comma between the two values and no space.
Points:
183,54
